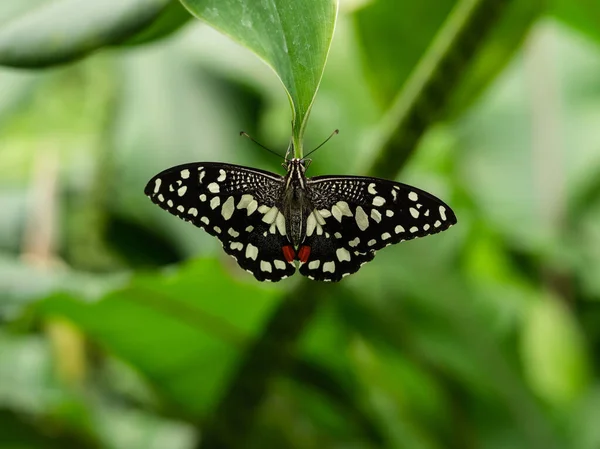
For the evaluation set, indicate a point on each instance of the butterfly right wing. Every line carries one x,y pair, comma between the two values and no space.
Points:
354,216
238,205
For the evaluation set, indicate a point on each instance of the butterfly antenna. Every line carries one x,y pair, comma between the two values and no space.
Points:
243,133
324,142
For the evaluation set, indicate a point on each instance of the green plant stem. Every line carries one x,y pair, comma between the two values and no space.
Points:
271,354
418,105
428,91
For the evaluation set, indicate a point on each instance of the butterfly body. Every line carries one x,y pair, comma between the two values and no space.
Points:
331,225
295,203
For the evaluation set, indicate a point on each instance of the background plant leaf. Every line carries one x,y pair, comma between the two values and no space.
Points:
64,30
199,336
171,19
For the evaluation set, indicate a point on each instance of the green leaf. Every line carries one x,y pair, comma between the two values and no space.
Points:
583,15
171,19
182,330
293,38
65,30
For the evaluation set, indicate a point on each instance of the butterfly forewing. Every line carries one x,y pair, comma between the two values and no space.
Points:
355,216
236,204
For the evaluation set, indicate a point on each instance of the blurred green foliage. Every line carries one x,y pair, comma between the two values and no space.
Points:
122,327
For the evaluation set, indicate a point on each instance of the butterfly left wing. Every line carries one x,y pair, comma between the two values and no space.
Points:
238,205
355,216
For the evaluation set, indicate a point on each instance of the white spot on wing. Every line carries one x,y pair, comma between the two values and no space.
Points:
222,175
265,266
378,201
371,242
185,174
181,190
271,215
414,229
205,220
443,213
375,215
342,254
201,177
354,243
160,197
329,266
228,208
398,229
193,211
437,224
413,196
389,213
251,251
314,264
217,229
236,245
279,264
213,187
371,189
344,208
426,227
250,229
414,212
311,224
325,213
157,184
337,213
215,202
319,218
252,207
203,197
280,222
386,236
170,203
180,208
362,221
264,209
245,200
232,232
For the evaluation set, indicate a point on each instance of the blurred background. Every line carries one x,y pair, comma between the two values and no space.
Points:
122,327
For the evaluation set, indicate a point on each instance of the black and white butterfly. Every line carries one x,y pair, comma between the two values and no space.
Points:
332,225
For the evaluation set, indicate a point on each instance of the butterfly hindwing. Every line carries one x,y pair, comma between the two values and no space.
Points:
238,205
355,216
329,259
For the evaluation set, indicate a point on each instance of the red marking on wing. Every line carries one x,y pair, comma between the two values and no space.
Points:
304,253
289,253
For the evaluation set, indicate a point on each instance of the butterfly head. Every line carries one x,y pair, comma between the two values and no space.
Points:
296,165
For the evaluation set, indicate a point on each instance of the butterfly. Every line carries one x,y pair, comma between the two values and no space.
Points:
332,225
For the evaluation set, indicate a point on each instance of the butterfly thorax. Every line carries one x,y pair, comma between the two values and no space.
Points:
295,202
